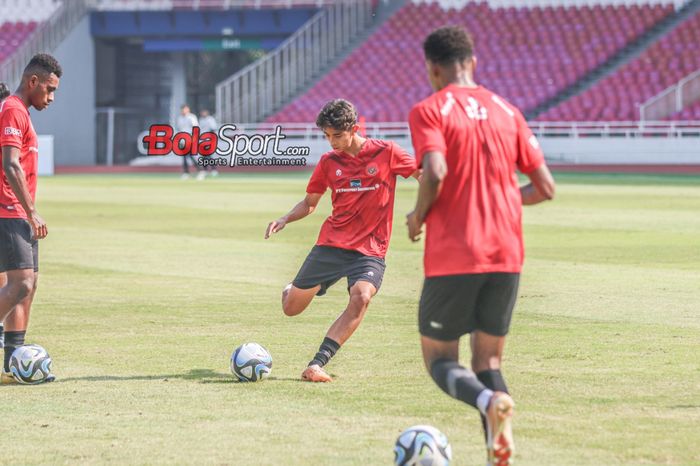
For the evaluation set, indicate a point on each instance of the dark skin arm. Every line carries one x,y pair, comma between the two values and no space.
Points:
433,174
305,207
541,187
17,180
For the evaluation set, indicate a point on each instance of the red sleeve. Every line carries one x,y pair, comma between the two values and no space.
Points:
426,132
402,163
530,155
13,125
318,182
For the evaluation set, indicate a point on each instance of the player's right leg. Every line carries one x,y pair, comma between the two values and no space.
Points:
3,280
19,287
296,300
20,284
495,304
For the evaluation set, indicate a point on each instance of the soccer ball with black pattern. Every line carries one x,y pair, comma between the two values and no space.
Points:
422,446
251,362
30,364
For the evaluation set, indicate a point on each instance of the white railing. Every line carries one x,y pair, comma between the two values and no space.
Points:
571,129
262,87
672,99
164,5
459,4
46,38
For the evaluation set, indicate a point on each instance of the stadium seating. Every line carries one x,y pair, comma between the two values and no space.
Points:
691,112
12,34
617,97
525,54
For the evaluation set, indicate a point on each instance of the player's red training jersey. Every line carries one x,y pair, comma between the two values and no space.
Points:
474,226
362,195
16,130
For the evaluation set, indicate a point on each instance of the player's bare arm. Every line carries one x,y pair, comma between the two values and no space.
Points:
299,211
433,173
541,187
16,177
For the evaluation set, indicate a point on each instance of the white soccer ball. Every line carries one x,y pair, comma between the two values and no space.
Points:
30,364
251,362
422,446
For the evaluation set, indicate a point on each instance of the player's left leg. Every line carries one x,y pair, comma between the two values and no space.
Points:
361,294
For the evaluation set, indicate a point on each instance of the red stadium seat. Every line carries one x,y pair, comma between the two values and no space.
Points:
535,53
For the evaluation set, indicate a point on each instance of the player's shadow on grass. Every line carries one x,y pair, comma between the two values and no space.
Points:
200,375
234,380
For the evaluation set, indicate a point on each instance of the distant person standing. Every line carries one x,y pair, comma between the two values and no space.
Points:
207,124
184,123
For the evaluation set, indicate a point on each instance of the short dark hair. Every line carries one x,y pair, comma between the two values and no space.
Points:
4,91
43,63
448,45
337,114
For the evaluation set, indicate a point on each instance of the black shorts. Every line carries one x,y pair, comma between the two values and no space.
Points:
18,250
325,265
454,305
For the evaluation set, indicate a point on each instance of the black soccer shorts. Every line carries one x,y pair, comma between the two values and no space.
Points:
454,305
18,250
325,265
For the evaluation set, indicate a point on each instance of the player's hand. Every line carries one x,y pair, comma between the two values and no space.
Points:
415,226
274,227
39,229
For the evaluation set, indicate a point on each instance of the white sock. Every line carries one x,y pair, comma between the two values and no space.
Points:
482,401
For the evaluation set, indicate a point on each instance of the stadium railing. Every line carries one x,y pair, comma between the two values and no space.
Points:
673,99
46,37
131,5
263,86
567,129
459,4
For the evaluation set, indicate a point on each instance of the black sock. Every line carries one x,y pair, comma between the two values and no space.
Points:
456,381
12,341
493,379
325,352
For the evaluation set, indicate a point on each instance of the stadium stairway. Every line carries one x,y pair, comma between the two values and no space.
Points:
384,12
618,60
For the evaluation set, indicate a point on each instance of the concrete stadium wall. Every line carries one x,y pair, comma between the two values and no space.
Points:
611,151
71,117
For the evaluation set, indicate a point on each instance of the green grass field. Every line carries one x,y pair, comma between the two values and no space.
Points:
148,283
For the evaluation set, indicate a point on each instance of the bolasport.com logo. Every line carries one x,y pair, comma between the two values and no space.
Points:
227,146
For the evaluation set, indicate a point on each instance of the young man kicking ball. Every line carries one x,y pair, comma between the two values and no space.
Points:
361,174
469,142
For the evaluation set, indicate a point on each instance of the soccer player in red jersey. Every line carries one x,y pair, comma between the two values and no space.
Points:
361,174
469,143
21,226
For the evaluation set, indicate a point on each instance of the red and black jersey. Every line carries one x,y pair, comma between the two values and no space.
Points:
362,189
474,226
16,130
